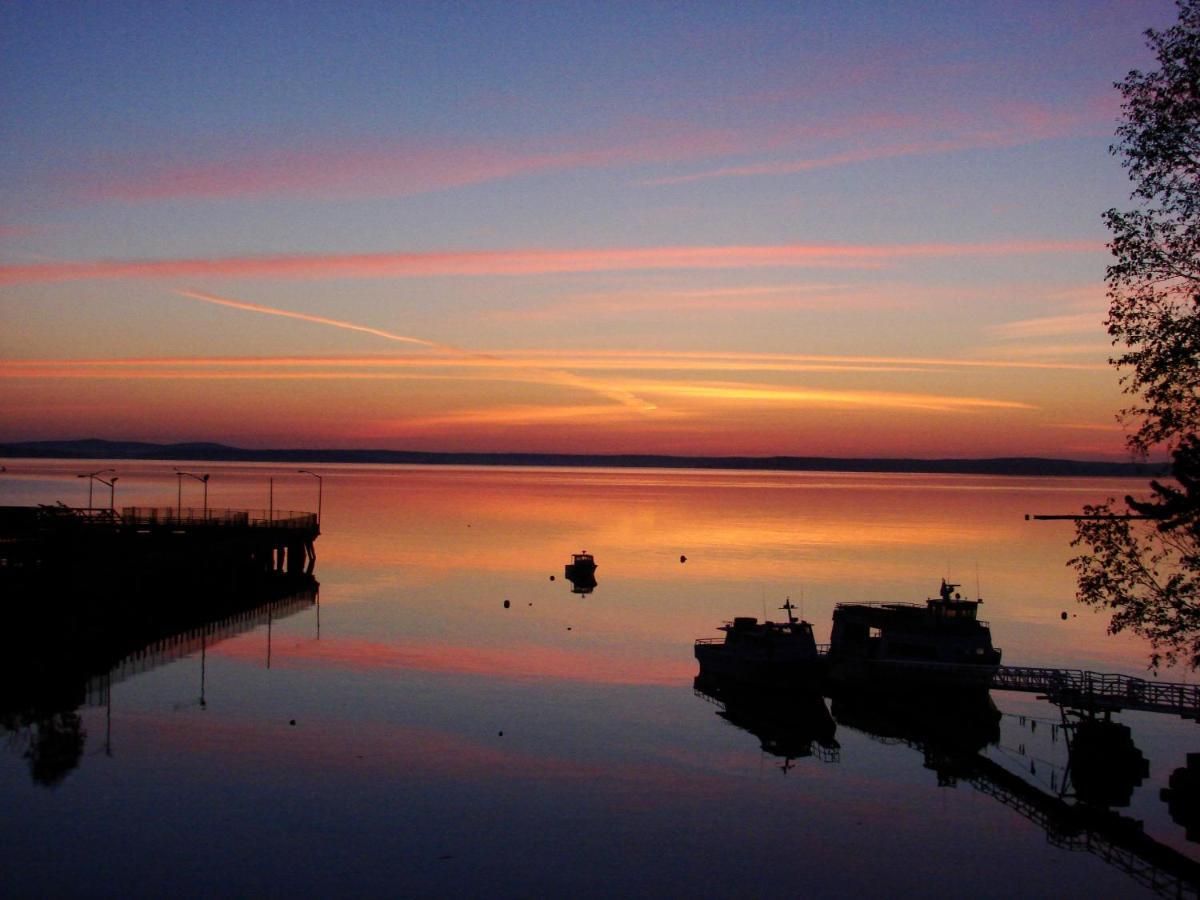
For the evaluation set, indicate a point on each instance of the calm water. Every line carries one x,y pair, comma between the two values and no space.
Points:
444,744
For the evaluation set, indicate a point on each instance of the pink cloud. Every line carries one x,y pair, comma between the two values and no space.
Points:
394,170
1013,125
530,261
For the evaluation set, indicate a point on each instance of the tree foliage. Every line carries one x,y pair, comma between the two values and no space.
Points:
1143,560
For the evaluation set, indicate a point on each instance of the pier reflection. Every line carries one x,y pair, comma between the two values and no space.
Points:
61,653
958,741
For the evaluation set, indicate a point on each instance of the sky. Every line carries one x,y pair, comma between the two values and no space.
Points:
818,228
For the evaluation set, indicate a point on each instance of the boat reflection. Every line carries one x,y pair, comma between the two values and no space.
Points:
62,654
957,741
582,583
581,572
788,724
943,731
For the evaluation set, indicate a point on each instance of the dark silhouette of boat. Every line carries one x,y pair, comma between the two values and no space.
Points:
942,643
779,654
581,566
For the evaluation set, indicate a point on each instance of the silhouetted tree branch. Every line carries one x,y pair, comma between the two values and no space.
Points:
1147,571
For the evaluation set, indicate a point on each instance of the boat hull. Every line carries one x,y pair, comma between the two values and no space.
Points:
781,669
909,676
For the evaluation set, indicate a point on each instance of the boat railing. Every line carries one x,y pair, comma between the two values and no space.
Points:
879,604
710,640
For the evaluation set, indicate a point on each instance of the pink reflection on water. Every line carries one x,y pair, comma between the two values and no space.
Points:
517,662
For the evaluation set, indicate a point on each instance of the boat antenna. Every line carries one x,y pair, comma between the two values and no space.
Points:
788,607
978,592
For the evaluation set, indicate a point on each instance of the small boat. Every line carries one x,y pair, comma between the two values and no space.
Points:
941,643
582,564
777,654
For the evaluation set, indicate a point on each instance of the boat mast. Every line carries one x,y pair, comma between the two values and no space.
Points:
787,605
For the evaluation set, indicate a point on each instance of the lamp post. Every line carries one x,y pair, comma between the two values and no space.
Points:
111,484
203,479
90,476
320,490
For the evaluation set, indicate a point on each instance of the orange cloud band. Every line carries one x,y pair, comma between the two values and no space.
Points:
601,360
528,262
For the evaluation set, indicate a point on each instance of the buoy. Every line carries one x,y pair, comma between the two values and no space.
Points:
292,722
682,558
1064,615
506,604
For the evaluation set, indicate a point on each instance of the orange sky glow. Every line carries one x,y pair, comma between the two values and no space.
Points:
823,251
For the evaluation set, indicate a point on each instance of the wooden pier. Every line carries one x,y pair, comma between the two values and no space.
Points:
148,542
1072,688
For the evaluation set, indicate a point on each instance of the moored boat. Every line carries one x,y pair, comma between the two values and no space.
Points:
779,654
942,643
582,564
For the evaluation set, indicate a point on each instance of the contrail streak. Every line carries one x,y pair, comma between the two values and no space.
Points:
305,317
545,376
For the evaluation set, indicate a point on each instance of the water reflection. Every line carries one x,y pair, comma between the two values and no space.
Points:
582,582
581,572
62,653
788,724
1183,797
610,772
954,739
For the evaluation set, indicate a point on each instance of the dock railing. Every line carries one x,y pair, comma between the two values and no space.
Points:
1101,689
189,517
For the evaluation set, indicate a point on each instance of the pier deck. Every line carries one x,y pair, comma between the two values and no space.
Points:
69,541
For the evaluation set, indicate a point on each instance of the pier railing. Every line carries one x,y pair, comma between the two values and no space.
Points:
159,516
1101,689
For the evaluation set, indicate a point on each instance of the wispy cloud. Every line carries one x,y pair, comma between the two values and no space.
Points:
547,375
519,360
364,168
1012,125
1050,326
531,261
307,317
835,399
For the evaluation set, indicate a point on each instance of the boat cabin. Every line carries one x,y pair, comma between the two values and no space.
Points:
946,629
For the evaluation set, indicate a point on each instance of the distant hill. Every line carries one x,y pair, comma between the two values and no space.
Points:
1027,466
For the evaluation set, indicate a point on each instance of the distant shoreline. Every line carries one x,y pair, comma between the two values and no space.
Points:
211,452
